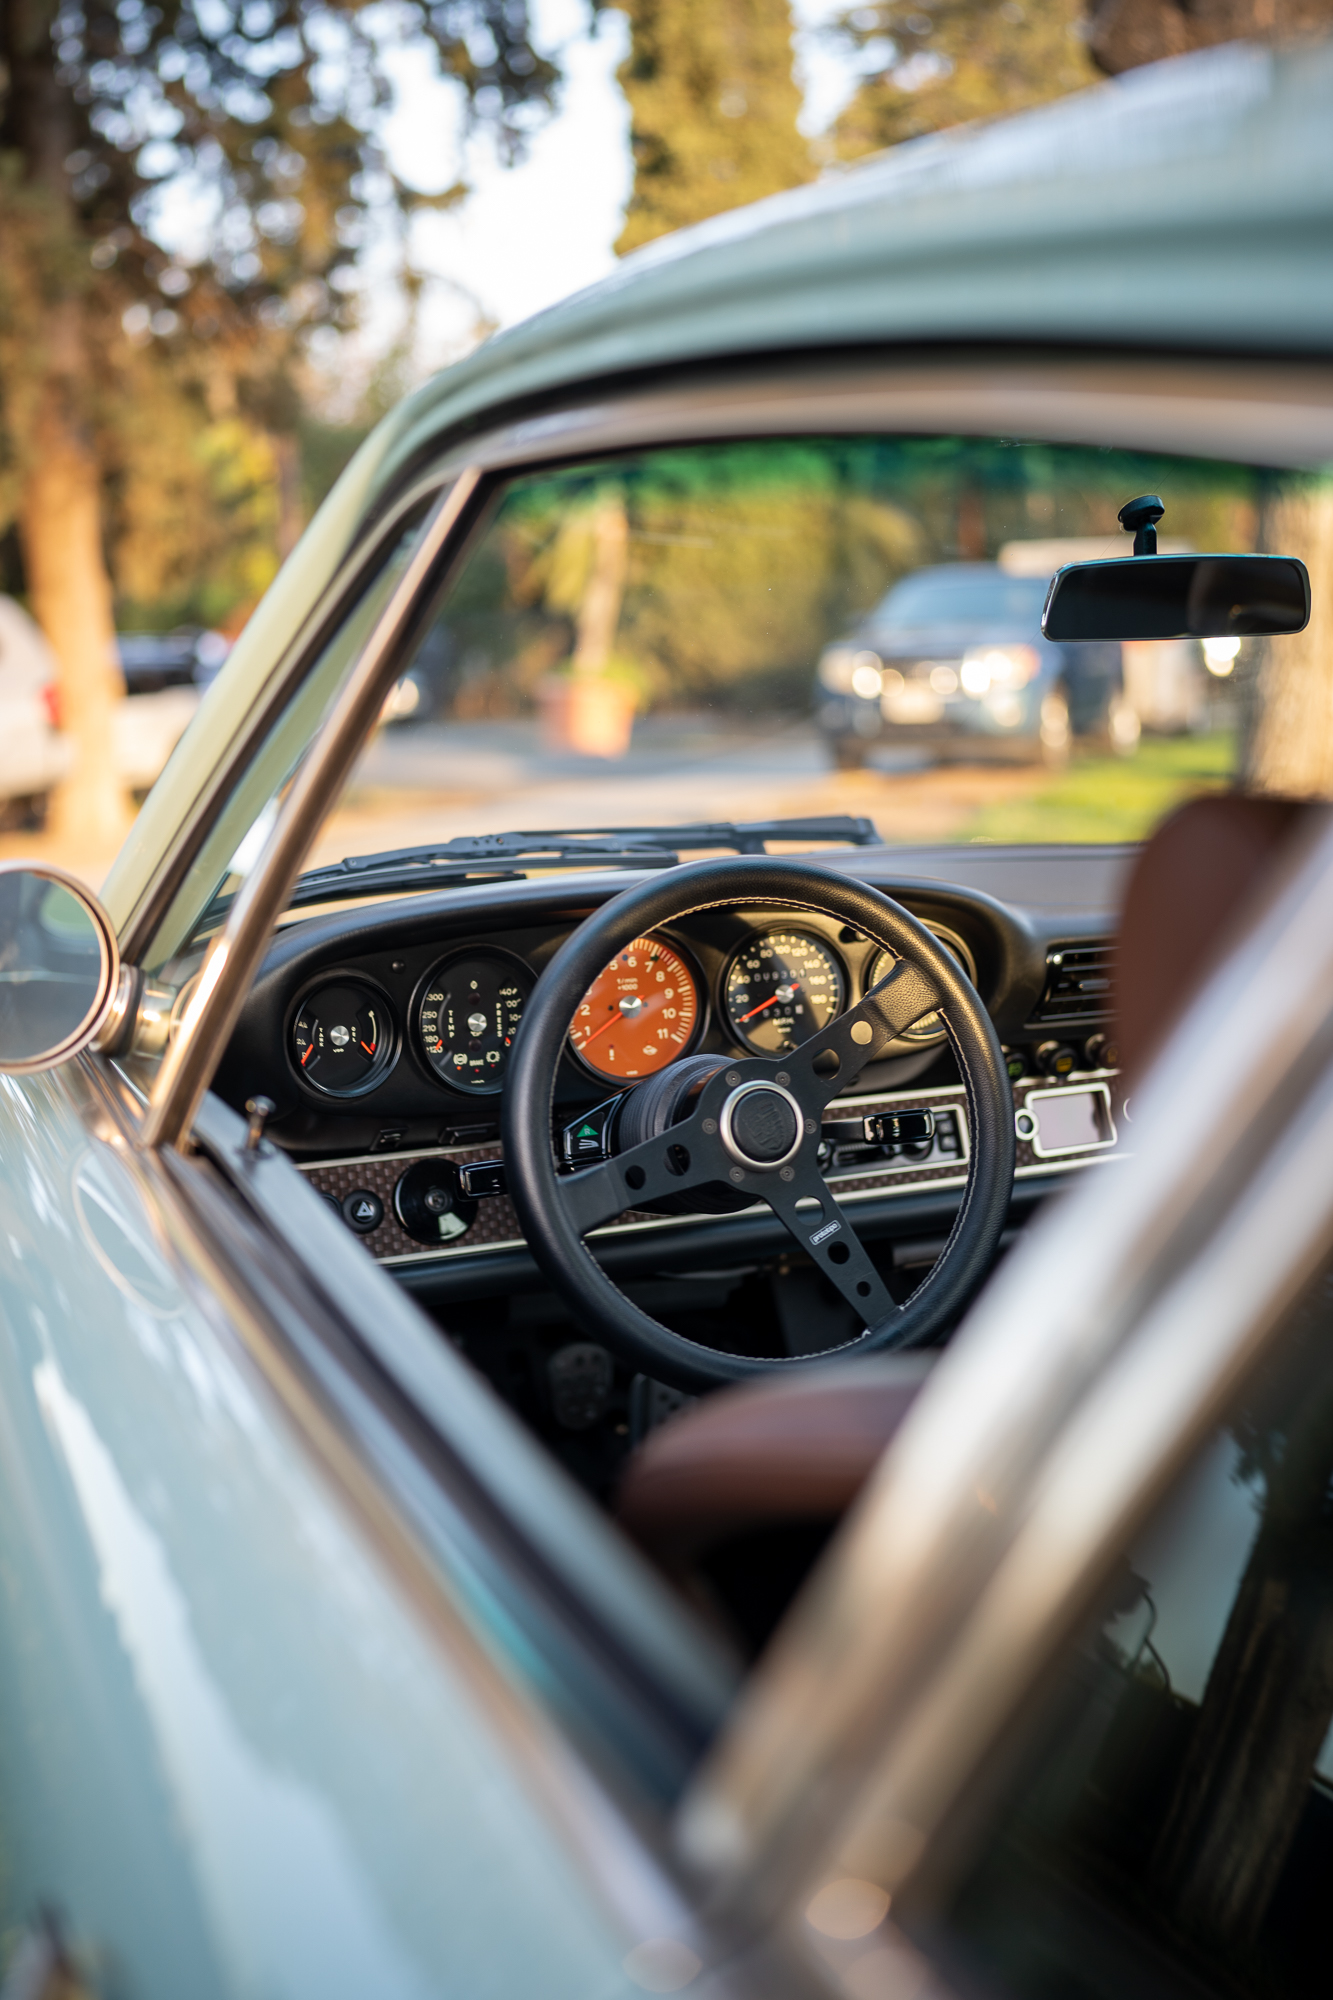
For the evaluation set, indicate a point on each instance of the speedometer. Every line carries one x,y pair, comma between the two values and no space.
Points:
467,1014
640,1012
781,988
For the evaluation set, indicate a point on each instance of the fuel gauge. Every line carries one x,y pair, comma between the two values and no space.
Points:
343,1038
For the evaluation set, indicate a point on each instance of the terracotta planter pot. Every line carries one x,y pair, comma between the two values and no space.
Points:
592,716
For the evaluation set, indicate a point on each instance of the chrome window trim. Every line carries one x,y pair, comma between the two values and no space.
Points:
1254,412
1007,1452
233,956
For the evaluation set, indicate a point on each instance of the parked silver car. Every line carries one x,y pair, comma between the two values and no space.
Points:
954,660
33,754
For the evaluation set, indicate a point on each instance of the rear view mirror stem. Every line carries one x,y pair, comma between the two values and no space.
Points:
1139,518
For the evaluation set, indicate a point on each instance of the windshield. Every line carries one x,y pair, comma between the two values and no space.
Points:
805,628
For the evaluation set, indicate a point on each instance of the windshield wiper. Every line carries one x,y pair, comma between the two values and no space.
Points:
471,858
453,861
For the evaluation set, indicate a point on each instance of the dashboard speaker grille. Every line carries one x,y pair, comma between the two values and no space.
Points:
1080,983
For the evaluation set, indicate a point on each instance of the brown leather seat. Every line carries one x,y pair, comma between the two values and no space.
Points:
793,1448
1195,886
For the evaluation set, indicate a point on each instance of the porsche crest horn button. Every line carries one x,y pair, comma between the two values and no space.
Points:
761,1126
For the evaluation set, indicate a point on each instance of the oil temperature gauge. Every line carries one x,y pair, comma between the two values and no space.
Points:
467,1014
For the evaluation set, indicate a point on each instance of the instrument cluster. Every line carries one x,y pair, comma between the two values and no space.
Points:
771,987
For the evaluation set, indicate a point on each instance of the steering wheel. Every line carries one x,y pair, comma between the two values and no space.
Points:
751,1127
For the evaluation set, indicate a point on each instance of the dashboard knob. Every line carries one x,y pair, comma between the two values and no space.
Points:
1101,1052
1057,1059
430,1204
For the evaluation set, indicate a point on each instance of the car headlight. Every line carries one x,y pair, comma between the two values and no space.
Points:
851,670
987,667
867,676
1219,656
836,667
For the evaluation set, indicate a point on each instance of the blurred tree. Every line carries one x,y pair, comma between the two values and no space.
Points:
1287,739
713,109
244,131
1124,33
1288,744
935,63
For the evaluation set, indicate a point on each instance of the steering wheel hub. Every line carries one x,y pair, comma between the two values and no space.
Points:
761,1126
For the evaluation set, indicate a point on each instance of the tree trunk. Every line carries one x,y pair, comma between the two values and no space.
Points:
70,593
599,614
1124,33
1290,752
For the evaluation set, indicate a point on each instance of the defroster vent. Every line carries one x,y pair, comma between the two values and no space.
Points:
1080,983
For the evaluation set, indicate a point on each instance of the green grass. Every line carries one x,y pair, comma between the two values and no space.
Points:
1111,798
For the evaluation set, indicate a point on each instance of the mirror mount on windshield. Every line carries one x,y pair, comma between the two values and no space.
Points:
1220,596
1139,518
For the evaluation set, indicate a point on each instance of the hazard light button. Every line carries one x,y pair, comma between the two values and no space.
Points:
363,1211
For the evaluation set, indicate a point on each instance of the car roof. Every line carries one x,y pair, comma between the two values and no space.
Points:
1187,204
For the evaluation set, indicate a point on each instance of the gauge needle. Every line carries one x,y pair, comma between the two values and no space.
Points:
369,1048
616,1016
306,1057
771,1002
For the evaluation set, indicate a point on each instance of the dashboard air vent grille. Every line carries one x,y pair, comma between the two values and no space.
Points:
1080,982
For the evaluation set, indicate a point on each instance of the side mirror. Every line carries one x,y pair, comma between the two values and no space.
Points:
1178,597
59,967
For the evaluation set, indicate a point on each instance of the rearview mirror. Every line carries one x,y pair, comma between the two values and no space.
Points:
1178,597
59,967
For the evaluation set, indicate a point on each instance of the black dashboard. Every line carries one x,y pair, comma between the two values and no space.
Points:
382,1035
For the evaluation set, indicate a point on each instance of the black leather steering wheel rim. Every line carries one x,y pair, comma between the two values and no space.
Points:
556,1212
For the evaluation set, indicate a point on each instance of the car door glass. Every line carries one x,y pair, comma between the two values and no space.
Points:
241,826
1170,1831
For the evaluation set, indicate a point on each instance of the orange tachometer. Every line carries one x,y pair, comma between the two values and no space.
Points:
639,1014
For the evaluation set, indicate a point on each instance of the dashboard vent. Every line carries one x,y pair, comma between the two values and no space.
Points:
1080,983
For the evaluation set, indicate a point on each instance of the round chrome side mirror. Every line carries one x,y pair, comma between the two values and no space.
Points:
59,966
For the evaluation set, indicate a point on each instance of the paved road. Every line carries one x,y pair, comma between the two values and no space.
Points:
434,781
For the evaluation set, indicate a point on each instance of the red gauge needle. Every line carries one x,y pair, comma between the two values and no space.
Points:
762,1004
306,1057
616,1016
369,1048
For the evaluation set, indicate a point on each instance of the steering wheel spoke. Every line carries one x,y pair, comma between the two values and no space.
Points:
830,1060
680,1159
824,1232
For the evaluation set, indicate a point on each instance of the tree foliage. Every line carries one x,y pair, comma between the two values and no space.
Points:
713,109
184,188
245,132
935,63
